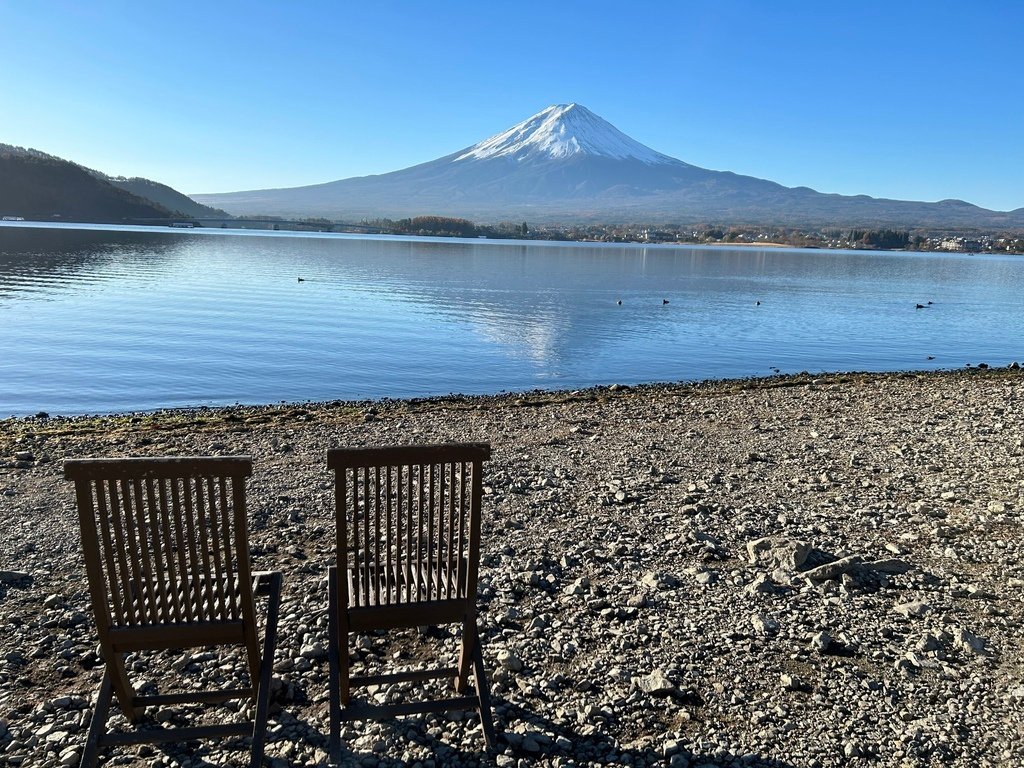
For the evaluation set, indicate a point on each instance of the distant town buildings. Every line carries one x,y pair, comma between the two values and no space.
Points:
964,244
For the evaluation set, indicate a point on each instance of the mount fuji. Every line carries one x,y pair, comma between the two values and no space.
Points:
566,164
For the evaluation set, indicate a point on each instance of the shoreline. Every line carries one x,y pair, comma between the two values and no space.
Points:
261,231
641,601
208,414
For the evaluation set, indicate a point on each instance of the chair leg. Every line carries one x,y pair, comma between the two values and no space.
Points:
469,641
98,724
333,661
122,686
345,672
483,695
259,731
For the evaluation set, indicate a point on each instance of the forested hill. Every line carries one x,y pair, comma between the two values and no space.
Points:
41,187
168,197
35,185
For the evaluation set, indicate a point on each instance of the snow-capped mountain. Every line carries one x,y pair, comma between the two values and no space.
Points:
567,164
560,132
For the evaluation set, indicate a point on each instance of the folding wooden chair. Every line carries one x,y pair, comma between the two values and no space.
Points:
408,553
167,558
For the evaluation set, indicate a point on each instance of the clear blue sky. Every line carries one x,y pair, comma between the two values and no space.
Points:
913,100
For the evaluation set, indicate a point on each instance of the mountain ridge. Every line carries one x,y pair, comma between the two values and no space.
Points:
566,164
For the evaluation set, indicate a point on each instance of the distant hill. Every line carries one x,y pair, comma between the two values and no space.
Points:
48,188
566,164
35,185
168,197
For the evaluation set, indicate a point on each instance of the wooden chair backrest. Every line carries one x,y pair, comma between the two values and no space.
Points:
165,540
408,522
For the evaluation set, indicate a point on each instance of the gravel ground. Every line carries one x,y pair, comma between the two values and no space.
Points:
782,572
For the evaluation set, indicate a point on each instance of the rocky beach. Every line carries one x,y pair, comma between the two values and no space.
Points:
796,571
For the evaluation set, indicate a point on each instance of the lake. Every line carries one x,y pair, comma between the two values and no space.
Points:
106,319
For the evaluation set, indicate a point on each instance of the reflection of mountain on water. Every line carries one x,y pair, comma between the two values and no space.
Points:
541,303
546,303
539,337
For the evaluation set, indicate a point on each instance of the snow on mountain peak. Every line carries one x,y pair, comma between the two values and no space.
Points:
562,131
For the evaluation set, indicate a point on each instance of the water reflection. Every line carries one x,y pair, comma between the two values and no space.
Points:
43,261
145,320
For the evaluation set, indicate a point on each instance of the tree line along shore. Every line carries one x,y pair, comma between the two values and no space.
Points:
863,237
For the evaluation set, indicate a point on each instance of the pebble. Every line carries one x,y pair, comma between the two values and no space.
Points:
510,660
790,682
821,641
915,609
763,624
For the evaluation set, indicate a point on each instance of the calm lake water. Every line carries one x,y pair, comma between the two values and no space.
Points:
104,320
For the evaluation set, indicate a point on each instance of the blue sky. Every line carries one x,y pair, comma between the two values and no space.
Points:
912,100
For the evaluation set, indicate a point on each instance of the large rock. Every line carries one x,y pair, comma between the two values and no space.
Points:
657,684
778,552
834,569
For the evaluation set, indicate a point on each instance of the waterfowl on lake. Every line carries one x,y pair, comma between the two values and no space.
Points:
302,279
619,302
664,301
920,306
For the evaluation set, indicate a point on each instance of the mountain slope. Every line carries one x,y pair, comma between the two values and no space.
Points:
563,131
567,164
168,197
45,185
34,185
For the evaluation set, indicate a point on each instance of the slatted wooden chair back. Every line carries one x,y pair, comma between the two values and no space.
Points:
408,524
166,552
407,555
166,548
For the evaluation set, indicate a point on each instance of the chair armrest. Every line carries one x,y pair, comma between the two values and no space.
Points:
262,581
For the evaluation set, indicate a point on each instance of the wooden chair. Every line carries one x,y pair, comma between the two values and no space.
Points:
408,553
167,558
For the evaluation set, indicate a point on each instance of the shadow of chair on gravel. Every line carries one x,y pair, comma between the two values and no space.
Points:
593,748
596,747
19,582
599,747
